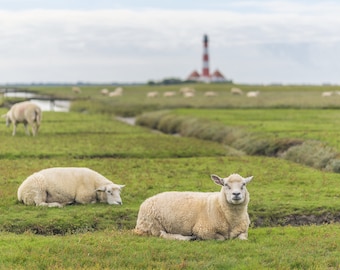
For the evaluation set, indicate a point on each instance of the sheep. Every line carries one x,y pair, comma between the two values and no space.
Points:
198,215
210,94
189,94
169,94
253,93
152,94
60,186
117,92
24,112
76,90
104,91
236,91
184,90
327,94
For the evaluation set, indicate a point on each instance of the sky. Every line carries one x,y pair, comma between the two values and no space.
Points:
135,41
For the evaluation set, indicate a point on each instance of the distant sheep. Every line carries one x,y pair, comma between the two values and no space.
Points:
184,90
189,94
104,91
152,94
117,92
76,90
169,94
236,91
57,187
210,94
327,94
253,93
198,215
24,112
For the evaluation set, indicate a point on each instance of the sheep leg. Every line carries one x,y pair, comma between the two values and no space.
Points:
26,129
35,129
243,236
172,236
40,199
14,128
53,204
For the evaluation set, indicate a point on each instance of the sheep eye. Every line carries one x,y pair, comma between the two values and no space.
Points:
226,185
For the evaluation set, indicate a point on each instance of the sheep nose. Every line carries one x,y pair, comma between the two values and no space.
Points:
236,194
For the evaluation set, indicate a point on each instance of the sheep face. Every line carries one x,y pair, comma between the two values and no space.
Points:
110,193
234,187
8,120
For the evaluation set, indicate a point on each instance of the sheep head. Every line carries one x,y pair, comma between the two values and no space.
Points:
234,187
8,119
110,193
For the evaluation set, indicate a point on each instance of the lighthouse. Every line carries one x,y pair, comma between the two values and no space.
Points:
206,76
205,70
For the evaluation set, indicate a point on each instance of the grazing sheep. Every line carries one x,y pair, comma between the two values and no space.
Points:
152,94
169,94
236,91
253,93
24,112
198,215
104,91
76,90
57,187
210,94
117,92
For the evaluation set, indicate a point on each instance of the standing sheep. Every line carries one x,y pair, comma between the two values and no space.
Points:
76,90
198,215
24,112
57,187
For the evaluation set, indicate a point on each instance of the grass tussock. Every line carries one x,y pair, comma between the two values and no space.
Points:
309,152
315,154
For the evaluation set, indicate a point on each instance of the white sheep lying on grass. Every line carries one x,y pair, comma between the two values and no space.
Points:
24,112
253,93
57,187
236,91
198,215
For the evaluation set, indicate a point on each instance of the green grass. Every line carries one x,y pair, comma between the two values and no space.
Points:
98,236
134,99
313,247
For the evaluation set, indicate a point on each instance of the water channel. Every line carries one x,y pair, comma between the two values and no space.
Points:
45,103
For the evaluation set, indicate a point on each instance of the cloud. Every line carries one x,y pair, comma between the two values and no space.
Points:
137,45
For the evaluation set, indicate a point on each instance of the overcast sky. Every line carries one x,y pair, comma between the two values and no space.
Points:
255,41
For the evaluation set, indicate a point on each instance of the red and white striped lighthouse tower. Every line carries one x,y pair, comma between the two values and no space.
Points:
205,71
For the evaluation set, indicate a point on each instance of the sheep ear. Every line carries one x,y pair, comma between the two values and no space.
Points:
248,179
218,180
121,186
102,189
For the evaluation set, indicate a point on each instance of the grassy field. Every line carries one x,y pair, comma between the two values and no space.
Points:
307,124
99,236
